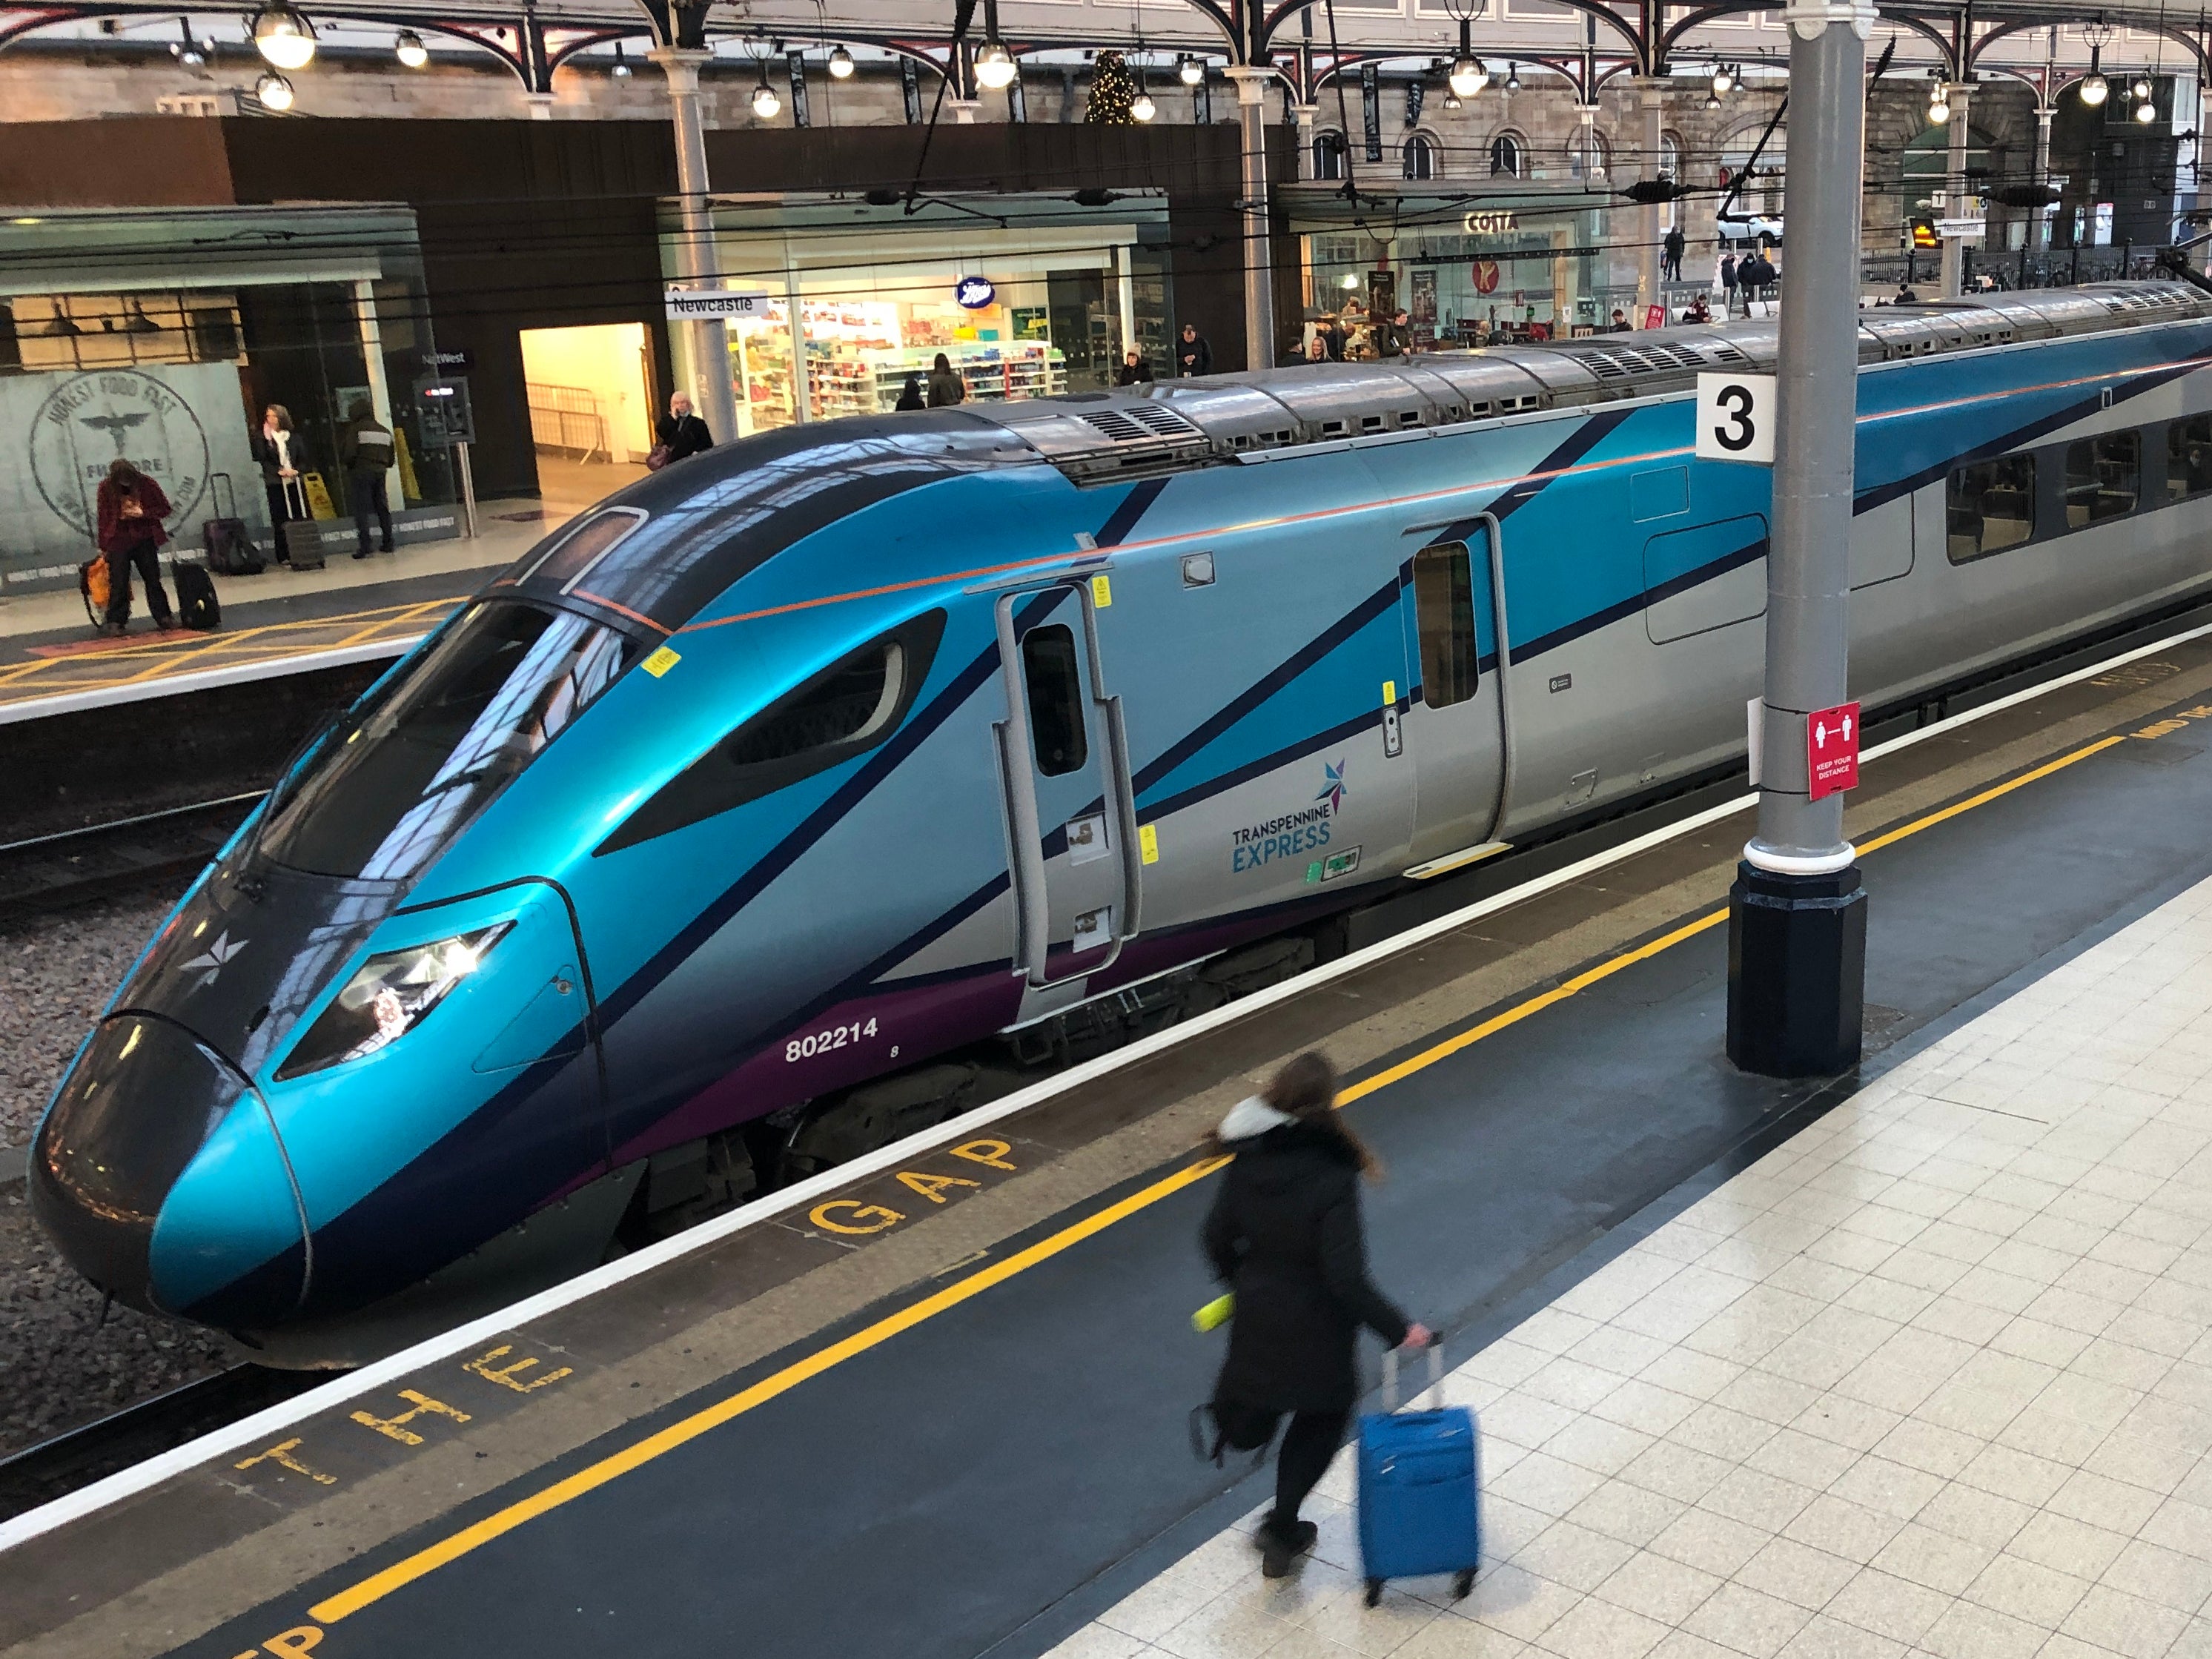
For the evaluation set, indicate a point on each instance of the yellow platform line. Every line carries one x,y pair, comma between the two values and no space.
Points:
377,1585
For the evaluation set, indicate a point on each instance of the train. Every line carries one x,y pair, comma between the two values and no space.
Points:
716,837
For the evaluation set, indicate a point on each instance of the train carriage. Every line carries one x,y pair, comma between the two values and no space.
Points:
717,833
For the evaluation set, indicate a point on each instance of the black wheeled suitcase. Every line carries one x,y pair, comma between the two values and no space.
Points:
295,500
230,548
196,606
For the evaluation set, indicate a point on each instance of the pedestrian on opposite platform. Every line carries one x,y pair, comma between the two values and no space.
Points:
1670,255
1285,1235
283,454
1135,370
1727,284
1193,355
366,448
681,432
910,394
946,388
130,509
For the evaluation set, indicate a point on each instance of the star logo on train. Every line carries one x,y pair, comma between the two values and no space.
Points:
210,962
1332,788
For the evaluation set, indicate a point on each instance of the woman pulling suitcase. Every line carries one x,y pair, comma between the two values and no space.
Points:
1285,1235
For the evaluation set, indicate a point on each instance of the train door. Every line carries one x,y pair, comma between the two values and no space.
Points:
1456,718
547,1054
1063,756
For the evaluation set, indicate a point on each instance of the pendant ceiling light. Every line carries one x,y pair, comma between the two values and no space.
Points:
841,63
189,53
273,91
1724,78
2146,112
994,65
621,70
1144,108
1467,75
284,37
410,50
1512,77
2142,88
766,104
2095,89
1190,71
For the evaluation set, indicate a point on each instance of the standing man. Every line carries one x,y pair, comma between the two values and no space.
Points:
1670,255
1193,355
682,433
366,449
1392,336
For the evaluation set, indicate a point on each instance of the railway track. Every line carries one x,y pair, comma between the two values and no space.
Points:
60,1465
68,867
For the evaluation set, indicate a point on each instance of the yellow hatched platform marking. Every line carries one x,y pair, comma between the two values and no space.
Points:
451,1548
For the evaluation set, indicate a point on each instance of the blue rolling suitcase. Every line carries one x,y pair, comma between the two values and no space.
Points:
1418,1472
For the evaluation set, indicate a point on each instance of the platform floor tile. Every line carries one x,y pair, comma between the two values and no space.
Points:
1931,1379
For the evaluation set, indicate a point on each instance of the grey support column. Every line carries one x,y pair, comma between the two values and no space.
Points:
1650,218
1954,186
2038,225
712,391
1259,258
1796,912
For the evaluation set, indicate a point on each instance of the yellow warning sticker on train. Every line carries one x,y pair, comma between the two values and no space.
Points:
1148,843
1389,693
661,661
1102,591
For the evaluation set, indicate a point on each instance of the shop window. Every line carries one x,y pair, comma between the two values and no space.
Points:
2102,475
1420,157
1443,614
1056,693
1328,155
1990,506
2189,457
1507,153
841,712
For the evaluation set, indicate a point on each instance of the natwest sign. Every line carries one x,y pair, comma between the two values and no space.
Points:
1831,749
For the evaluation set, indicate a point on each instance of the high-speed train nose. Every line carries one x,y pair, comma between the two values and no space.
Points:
159,1175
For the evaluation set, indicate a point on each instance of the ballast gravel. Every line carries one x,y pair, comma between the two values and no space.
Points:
59,1366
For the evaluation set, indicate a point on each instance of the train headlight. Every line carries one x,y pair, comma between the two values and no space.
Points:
393,992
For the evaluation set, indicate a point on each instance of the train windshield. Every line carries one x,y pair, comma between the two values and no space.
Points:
390,789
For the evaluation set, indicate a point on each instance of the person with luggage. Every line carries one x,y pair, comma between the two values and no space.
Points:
366,448
131,509
1285,1235
283,458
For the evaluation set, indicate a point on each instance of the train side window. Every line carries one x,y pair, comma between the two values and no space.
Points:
1444,617
2103,477
1056,693
843,711
2189,457
1990,506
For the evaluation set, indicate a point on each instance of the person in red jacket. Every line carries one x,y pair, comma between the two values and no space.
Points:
132,507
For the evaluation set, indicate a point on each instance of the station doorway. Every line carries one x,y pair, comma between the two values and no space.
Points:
591,410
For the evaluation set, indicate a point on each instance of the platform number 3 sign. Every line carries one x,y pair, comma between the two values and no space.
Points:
1736,418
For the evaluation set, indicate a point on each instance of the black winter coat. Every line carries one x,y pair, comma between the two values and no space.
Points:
1285,1235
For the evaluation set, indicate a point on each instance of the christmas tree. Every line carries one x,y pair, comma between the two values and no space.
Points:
1113,90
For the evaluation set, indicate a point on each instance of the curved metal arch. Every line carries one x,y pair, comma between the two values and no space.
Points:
1929,32
2180,38
584,43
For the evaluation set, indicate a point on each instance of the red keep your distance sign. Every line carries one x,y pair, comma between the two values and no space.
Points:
1832,749
1485,275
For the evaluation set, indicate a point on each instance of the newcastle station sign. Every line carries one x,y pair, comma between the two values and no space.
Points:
698,305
